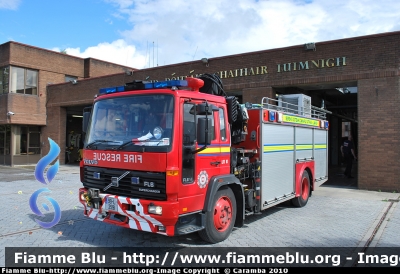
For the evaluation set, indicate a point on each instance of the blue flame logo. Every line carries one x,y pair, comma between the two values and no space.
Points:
35,209
46,160
50,174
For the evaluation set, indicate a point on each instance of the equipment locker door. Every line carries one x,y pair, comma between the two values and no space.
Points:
277,163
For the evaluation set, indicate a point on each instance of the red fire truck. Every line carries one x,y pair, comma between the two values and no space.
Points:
180,156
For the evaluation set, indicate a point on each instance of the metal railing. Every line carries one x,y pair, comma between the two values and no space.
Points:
289,108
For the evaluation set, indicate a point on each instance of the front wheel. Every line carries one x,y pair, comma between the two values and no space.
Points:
305,191
220,220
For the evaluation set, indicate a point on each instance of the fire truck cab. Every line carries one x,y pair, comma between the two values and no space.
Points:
173,158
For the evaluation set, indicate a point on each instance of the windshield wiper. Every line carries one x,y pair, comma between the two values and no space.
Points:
135,142
99,141
125,144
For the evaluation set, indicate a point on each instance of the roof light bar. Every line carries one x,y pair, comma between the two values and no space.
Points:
139,85
167,84
111,90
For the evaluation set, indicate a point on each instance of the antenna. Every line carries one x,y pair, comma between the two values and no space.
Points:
190,68
147,53
195,53
157,53
153,54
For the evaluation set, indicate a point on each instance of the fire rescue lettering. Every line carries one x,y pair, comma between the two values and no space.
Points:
115,157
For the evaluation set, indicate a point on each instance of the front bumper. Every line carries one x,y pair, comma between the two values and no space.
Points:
131,213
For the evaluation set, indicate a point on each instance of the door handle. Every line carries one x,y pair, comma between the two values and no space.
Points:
215,163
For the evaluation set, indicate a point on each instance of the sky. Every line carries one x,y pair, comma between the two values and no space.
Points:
149,33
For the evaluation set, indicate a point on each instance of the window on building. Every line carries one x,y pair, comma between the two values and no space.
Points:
27,140
4,77
31,82
23,81
34,140
5,134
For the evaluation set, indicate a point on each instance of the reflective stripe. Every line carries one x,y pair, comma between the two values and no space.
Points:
270,148
304,147
277,148
215,150
138,221
320,146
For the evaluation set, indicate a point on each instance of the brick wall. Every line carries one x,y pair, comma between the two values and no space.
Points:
83,92
40,59
379,134
4,54
56,62
28,109
95,68
255,95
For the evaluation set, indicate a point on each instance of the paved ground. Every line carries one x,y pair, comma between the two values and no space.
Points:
334,217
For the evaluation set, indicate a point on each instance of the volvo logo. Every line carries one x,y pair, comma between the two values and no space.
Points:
115,181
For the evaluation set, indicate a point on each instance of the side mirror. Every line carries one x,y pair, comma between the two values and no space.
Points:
203,109
204,131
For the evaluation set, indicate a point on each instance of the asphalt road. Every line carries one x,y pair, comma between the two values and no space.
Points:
333,217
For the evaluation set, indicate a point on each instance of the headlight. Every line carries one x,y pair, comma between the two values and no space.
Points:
157,132
82,196
155,209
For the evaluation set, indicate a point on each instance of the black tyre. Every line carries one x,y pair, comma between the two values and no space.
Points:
220,220
305,191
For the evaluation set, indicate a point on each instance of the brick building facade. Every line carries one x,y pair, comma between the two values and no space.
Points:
356,79
25,74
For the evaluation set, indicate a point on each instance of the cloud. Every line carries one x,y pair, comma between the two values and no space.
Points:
187,30
167,32
118,52
9,4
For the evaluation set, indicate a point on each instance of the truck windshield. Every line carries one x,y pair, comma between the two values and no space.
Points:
132,123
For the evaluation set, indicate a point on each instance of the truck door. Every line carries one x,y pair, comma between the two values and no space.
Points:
199,167
188,144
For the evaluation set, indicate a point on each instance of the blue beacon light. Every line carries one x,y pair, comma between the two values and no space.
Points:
155,85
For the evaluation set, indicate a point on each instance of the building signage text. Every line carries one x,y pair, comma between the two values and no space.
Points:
280,68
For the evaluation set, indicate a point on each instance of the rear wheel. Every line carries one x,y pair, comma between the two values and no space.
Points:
304,191
220,220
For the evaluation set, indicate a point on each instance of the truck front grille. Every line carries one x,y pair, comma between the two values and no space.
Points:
136,184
